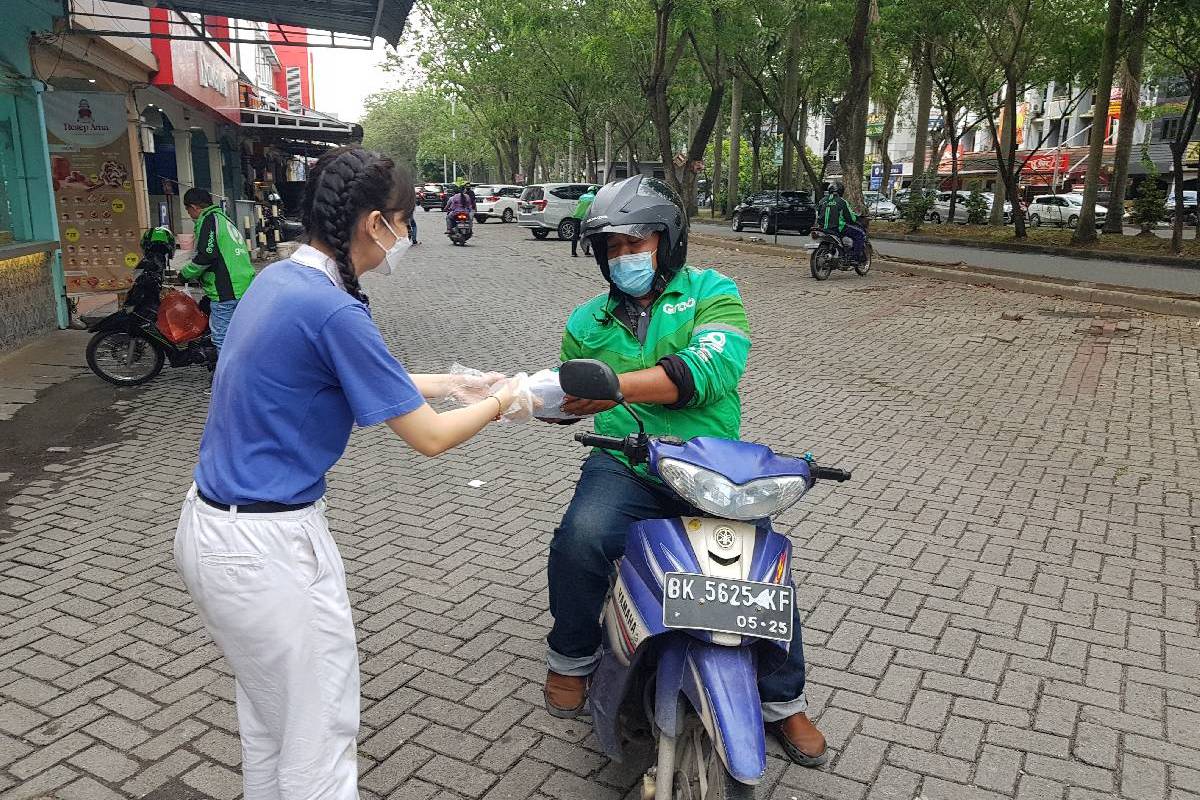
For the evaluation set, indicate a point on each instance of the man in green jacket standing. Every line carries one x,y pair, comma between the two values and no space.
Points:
580,213
221,262
678,338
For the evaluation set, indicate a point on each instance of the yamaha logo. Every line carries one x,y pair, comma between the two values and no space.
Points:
724,537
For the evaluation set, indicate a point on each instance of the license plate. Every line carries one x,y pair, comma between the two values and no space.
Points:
748,608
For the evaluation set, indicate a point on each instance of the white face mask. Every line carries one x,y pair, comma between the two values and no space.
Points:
393,254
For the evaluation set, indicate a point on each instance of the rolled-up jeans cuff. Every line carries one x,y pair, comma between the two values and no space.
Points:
575,667
774,712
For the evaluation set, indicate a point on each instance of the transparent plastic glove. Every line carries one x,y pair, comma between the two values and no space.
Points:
466,385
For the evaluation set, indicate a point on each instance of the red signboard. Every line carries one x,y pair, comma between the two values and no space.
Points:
195,72
1045,163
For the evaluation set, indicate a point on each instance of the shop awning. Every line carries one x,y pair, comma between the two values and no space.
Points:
305,127
367,18
360,20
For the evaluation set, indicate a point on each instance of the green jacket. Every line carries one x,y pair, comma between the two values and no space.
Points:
834,212
585,202
699,318
221,262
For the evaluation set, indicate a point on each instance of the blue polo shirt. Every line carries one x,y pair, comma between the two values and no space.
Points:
301,364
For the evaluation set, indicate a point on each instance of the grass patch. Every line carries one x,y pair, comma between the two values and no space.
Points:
1049,237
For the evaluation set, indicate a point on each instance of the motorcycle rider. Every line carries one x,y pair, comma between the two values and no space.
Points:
579,214
678,337
221,262
836,217
463,200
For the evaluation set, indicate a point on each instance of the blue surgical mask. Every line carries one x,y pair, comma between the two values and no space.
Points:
632,273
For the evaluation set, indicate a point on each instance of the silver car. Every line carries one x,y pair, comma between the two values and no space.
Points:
1060,209
940,212
879,207
547,207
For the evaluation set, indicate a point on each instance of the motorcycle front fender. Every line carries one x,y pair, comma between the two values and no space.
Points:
722,685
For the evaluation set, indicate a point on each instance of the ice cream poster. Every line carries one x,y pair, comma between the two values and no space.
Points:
93,189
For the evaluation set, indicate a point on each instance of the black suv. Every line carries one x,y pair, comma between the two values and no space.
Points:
776,210
435,195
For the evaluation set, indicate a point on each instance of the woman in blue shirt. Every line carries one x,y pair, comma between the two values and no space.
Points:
302,364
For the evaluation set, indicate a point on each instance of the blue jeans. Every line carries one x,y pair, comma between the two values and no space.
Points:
218,320
608,499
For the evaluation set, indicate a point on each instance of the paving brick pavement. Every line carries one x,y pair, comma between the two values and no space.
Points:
1002,604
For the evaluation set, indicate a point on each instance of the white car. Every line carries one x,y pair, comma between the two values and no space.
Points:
496,201
1060,209
879,207
940,212
547,207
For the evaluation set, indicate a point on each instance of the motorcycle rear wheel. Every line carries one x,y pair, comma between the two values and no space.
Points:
697,757
123,358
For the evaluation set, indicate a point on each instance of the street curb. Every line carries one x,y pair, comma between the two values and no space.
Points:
1032,249
1049,250
1154,303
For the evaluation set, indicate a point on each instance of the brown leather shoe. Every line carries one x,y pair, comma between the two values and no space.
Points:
566,695
803,743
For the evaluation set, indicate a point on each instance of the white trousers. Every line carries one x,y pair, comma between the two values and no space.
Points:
271,589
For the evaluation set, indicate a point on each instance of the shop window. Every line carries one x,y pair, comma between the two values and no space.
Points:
1170,129
15,222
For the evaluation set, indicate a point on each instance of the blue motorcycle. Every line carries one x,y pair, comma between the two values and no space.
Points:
700,607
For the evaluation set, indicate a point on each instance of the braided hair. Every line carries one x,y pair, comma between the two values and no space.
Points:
344,184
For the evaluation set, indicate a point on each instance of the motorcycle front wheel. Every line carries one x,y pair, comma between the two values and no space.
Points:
819,263
865,266
123,358
699,772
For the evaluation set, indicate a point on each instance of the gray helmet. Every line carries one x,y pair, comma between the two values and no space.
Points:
638,206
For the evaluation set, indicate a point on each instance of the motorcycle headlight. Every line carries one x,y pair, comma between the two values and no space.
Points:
717,495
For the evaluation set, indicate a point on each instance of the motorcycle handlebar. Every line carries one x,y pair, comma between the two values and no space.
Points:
603,442
830,474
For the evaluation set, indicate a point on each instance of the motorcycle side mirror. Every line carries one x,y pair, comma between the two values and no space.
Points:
590,379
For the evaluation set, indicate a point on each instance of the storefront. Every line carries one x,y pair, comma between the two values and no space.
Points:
31,300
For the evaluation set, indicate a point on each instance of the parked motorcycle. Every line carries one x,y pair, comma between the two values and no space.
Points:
701,607
460,228
834,252
131,345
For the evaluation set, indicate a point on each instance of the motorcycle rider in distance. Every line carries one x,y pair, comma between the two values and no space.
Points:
835,216
678,337
463,200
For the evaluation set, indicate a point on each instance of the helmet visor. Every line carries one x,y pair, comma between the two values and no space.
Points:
640,230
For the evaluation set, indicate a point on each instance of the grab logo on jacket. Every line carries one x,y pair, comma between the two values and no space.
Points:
710,343
671,308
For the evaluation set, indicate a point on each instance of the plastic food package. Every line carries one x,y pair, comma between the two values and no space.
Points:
548,395
180,318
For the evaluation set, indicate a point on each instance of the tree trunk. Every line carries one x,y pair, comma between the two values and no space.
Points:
1007,145
756,151
715,183
531,165
851,113
1131,90
889,124
1187,124
702,133
924,105
789,153
1085,231
513,146
735,147
806,170
952,134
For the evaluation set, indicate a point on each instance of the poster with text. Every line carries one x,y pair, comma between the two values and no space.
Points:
93,189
